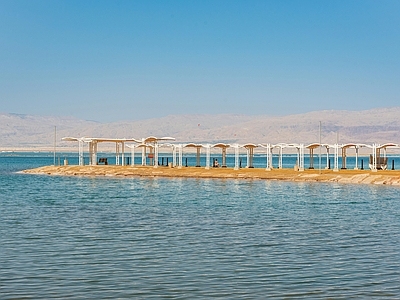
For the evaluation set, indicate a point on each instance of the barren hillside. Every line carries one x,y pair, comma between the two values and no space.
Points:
377,125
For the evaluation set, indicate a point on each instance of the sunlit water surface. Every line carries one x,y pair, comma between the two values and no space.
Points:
76,237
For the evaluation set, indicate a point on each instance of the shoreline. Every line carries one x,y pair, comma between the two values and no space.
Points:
381,177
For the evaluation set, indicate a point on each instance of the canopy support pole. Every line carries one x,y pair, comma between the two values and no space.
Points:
311,158
269,158
223,157
197,156
81,158
327,158
180,156
133,156
123,153
356,167
236,146
208,155
336,160
174,156
117,154
344,158
301,162
156,155
144,155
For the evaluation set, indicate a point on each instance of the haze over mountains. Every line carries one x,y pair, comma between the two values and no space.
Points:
368,126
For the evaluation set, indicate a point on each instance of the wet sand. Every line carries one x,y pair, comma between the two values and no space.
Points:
343,176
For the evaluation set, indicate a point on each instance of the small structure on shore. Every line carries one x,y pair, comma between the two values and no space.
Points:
376,161
93,148
149,142
198,149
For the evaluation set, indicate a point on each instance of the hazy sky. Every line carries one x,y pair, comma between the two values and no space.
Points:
118,60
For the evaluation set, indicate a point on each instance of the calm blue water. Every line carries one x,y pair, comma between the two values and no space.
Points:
288,160
75,237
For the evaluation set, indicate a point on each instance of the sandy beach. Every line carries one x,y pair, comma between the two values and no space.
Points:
343,176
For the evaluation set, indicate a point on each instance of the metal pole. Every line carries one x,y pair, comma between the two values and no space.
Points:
319,147
55,144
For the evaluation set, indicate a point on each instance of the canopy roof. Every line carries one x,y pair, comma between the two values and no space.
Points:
93,139
150,139
249,145
193,145
313,146
389,145
153,139
221,145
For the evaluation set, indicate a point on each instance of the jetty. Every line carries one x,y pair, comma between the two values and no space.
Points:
344,176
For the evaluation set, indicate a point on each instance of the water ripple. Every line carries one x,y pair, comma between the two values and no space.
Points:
189,238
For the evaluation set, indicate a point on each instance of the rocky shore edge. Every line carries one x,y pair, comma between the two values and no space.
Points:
343,176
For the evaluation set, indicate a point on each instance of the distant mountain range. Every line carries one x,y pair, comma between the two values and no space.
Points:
368,126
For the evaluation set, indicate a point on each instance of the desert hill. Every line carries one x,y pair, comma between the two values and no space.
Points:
368,126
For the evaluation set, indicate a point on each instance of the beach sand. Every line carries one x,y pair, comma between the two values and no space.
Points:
343,176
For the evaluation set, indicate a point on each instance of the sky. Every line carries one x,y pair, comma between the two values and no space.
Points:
130,60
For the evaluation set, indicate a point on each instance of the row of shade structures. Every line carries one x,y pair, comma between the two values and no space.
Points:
177,153
152,144
376,161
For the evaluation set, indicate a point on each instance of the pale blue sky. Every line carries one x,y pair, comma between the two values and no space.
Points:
119,60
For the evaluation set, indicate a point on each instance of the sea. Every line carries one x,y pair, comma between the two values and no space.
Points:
165,238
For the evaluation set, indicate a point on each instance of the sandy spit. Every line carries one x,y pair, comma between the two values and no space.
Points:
343,176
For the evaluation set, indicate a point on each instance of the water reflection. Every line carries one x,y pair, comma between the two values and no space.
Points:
197,238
